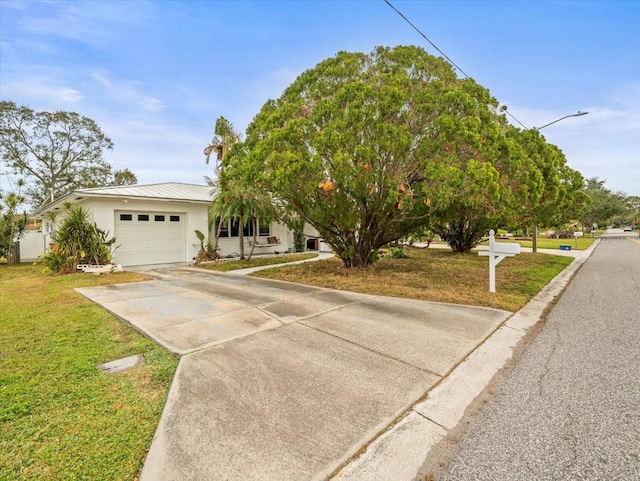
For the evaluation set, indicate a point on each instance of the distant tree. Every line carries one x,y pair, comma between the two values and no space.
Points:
631,214
604,204
124,177
56,152
12,224
633,204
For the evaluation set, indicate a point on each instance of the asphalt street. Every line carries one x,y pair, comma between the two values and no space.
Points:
570,408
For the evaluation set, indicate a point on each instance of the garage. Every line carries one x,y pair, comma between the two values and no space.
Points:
149,237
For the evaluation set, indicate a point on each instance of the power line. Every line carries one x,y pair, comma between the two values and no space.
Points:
426,38
441,52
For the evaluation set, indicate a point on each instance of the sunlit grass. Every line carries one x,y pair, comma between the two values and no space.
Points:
582,243
61,418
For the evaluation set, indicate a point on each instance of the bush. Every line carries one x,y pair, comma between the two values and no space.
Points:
207,252
298,241
77,241
398,253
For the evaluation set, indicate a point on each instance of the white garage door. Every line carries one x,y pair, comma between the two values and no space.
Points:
149,237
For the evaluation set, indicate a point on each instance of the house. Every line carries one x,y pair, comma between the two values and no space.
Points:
156,223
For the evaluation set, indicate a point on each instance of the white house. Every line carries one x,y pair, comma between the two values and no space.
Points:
156,223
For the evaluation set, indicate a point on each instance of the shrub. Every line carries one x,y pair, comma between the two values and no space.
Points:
207,251
298,241
77,240
398,253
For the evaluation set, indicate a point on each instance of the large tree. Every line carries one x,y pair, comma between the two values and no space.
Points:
485,180
562,196
55,152
366,147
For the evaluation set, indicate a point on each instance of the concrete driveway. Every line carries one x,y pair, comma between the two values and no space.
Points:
280,381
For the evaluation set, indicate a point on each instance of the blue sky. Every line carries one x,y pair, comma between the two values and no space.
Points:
156,74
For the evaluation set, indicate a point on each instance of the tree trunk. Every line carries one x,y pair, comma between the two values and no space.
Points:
253,242
241,233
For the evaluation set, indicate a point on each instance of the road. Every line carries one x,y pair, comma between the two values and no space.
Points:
570,408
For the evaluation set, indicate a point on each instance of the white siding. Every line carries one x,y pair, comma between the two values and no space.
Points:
103,213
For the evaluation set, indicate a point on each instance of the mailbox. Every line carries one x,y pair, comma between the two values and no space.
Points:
506,248
497,251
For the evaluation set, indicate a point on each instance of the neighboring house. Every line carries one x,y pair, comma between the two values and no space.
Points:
156,223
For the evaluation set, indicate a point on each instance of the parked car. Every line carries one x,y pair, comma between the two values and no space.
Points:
628,228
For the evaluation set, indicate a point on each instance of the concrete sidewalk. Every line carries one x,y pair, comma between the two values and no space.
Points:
281,381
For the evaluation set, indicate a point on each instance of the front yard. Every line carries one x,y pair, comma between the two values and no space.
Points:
434,275
61,418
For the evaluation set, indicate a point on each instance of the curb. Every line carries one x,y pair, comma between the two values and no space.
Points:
399,453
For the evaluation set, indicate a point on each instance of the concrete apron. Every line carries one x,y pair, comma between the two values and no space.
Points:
280,381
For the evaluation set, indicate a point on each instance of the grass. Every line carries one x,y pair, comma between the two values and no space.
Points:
544,243
225,266
61,418
434,275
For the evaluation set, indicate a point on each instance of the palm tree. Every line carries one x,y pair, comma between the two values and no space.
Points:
224,138
234,200
243,205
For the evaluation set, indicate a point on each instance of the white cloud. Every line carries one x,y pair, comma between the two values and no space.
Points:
127,91
41,90
89,22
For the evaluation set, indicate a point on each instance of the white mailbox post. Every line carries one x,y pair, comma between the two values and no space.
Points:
498,251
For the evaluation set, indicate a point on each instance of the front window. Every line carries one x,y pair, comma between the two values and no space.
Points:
232,228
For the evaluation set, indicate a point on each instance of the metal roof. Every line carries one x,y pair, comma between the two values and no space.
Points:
169,191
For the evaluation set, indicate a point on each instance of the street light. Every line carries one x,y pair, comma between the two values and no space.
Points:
561,118
535,227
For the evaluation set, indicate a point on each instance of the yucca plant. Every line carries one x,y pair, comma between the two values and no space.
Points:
77,240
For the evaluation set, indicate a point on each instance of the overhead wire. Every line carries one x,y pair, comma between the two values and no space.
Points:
442,53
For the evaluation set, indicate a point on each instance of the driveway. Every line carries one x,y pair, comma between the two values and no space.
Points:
280,381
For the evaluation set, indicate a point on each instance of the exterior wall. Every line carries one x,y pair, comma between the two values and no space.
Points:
196,217
102,212
229,246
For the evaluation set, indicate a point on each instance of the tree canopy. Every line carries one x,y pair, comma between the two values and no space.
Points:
367,148
55,152
562,197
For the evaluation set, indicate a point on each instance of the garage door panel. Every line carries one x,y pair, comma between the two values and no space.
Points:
150,241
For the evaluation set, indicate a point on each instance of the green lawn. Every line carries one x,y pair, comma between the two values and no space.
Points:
61,418
434,275
225,265
544,243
